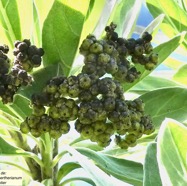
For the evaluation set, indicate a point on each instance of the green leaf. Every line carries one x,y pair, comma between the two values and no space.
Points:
154,25
180,75
151,171
21,106
151,83
166,102
84,179
175,20
125,15
97,175
61,32
9,20
172,153
125,170
66,169
94,13
163,51
7,149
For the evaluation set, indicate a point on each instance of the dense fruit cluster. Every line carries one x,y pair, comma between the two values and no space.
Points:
94,101
14,75
115,55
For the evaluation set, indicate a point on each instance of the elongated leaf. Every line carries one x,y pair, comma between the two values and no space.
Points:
167,102
151,83
151,171
163,51
172,153
125,170
7,149
84,179
180,75
154,25
66,169
97,175
92,18
61,32
175,17
125,16
6,109
10,20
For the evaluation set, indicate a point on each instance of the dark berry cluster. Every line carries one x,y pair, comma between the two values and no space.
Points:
27,55
94,101
116,56
14,75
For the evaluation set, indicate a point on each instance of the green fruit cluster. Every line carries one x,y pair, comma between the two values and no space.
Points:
116,55
13,75
93,100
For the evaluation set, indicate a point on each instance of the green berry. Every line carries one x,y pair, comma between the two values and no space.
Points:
96,48
24,127
103,59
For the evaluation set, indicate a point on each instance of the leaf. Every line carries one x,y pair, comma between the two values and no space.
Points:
151,83
173,63
92,18
174,15
84,179
151,171
172,153
66,169
125,170
61,32
9,20
153,27
180,75
97,175
166,102
175,20
36,28
7,149
125,15
163,50
21,106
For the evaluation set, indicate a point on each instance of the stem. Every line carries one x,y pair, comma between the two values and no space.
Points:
46,150
55,168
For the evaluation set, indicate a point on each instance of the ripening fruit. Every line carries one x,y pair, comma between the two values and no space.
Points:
87,131
96,48
24,127
38,110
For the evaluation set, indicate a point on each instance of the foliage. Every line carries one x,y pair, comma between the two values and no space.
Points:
59,27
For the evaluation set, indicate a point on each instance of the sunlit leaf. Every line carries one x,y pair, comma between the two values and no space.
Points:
151,83
125,170
61,32
97,175
151,171
10,20
175,20
181,76
172,153
154,25
166,102
125,15
66,169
